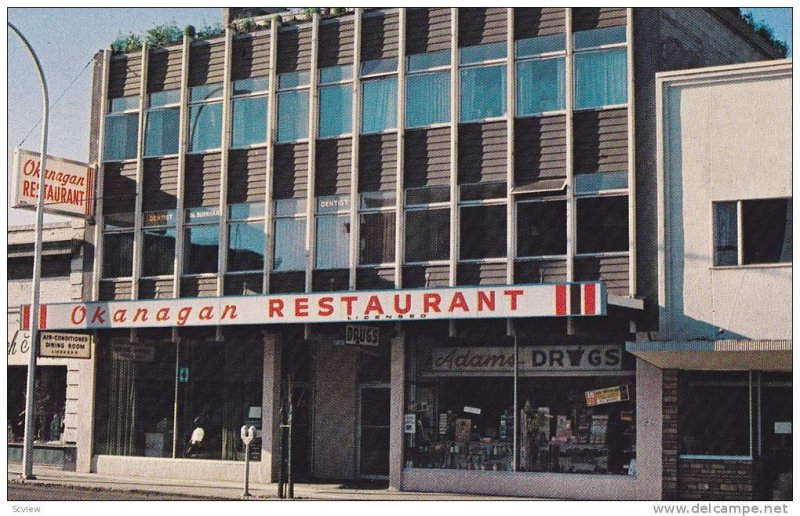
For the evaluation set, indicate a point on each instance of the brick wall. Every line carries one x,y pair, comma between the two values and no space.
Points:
669,434
715,479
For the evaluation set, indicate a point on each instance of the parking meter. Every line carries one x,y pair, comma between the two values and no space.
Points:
247,433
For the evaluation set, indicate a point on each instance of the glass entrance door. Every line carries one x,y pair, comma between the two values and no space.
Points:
373,417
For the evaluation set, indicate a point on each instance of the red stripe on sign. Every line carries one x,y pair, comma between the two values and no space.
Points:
561,300
589,299
25,323
42,317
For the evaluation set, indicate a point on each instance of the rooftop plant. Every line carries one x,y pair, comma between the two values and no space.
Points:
126,43
163,35
763,30
210,31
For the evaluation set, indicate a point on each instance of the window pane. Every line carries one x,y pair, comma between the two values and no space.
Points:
602,224
333,242
118,221
483,92
599,181
379,105
601,78
124,104
246,246
427,195
205,92
292,116
294,79
246,210
714,413
290,248
427,235
377,238
117,255
335,74
158,252
480,53
599,37
202,249
428,60
161,132
726,249
251,85
542,44
332,203
427,99
249,122
483,232
122,133
159,218
479,191
371,200
289,207
767,231
205,127
379,66
541,228
540,86
202,215
163,98
335,110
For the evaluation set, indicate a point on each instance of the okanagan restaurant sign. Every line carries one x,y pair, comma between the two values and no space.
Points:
504,301
69,185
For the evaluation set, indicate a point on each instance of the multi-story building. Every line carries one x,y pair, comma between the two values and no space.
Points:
467,182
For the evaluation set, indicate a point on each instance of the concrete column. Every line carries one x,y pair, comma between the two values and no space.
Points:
84,441
270,409
97,266
397,410
272,113
138,238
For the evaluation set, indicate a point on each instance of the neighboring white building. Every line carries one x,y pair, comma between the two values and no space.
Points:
60,417
725,278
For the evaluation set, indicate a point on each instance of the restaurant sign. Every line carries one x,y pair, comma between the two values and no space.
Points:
65,345
532,359
504,301
69,185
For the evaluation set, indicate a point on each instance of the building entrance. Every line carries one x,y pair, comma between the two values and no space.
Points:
373,426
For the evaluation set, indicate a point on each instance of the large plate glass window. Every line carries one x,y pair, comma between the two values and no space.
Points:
158,240
601,67
335,101
482,208
121,129
540,74
205,117
542,228
246,237
201,242
249,112
483,82
117,245
427,224
290,235
163,123
333,232
428,89
293,101
602,224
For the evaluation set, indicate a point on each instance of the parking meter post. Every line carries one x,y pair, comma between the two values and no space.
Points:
246,470
289,444
280,464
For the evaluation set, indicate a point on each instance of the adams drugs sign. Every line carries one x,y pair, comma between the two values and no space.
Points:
68,189
505,301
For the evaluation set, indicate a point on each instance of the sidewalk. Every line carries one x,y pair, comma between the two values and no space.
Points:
219,490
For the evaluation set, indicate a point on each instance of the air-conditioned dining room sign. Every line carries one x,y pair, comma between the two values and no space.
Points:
69,185
503,301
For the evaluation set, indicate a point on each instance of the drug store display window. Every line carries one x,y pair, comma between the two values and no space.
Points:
574,403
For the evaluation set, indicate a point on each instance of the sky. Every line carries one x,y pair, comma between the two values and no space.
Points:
64,50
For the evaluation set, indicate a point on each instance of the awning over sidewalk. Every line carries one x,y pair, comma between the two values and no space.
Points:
716,355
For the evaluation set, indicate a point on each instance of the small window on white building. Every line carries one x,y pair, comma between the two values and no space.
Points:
752,232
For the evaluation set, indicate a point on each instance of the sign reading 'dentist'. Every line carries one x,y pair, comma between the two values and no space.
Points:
532,359
68,188
65,345
504,301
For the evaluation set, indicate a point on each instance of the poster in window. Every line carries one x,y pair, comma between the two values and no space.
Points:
463,427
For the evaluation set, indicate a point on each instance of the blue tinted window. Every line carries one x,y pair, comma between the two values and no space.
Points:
427,99
601,78
121,138
292,116
205,127
429,60
379,105
379,66
251,85
333,241
249,121
597,37
205,92
481,53
483,92
246,210
246,246
124,104
540,45
335,110
540,86
202,249
593,183
335,74
163,98
290,248
293,79
161,132
158,253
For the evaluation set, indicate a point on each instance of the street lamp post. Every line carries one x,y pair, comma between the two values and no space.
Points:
27,449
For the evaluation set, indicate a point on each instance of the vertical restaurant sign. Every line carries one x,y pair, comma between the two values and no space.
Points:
445,303
69,185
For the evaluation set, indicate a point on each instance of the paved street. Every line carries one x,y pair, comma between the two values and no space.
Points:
43,493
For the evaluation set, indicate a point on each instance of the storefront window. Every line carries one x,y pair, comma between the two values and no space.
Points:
575,405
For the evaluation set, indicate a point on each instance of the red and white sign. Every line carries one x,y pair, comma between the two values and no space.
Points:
69,185
502,301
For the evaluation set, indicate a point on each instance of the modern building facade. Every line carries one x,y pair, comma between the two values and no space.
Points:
460,158
725,291
58,419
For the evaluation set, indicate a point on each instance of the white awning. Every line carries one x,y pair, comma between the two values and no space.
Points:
716,355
